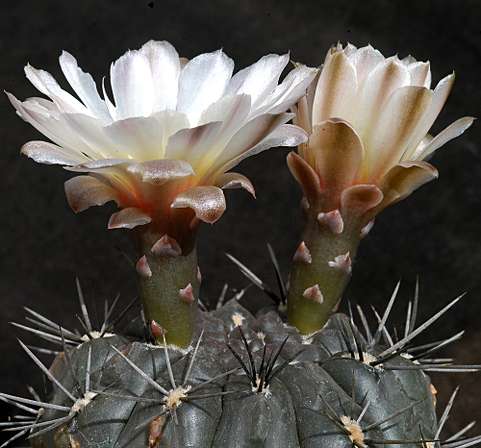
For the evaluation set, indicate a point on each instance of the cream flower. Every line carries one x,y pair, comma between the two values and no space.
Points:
173,129
368,119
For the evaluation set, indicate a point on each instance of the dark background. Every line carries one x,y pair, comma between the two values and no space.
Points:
433,234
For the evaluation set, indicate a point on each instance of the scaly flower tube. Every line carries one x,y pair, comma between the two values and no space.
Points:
368,119
161,150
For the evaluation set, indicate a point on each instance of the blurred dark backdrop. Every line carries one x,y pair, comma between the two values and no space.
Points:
434,234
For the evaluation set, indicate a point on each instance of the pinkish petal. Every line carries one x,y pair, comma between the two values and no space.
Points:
208,202
50,154
359,199
99,165
128,218
85,191
158,172
305,175
234,180
403,179
338,154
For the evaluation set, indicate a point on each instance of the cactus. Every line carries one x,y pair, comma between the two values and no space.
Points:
295,375
247,382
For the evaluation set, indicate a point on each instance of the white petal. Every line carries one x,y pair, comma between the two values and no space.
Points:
89,130
366,59
393,130
202,82
46,83
132,86
165,66
420,74
84,86
140,137
289,91
232,111
48,124
452,131
286,135
387,77
260,79
194,145
336,90
44,152
441,93
248,137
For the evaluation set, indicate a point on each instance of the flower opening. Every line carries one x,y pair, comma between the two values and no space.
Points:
172,130
368,119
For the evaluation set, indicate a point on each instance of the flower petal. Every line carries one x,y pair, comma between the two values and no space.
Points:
234,180
85,191
305,175
338,153
336,89
202,82
358,200
84,86
452,131
208,202
132,86
392,132
48,123
259,79
46,84
289,91
440,96
128,218
50,154
165,67
195,145
402,179
142,138
380,84
158,172
98,165
259,134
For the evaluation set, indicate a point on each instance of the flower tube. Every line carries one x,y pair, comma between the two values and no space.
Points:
368,119
160,149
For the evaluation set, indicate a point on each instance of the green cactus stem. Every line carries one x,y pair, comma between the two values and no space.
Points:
321,268
168,275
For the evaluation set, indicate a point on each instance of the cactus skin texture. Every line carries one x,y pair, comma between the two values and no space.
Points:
296,394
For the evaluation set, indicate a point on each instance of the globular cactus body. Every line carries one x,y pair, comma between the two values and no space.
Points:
287,391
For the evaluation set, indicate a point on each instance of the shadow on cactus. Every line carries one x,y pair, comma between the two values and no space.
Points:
161,150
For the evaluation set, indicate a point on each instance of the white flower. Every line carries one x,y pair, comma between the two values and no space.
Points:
368,119
172,130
